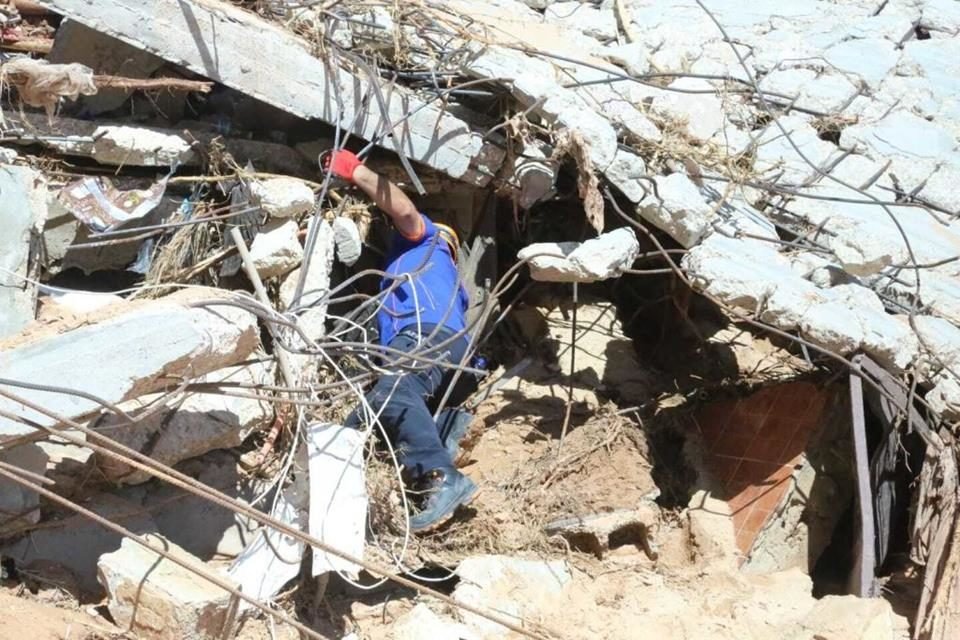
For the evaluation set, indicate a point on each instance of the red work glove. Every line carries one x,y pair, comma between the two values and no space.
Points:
343,163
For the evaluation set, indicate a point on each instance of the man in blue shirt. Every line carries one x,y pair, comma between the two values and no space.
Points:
424,312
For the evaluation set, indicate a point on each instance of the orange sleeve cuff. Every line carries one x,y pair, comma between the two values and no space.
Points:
419,235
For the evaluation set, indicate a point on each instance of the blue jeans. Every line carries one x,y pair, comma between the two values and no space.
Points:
402,400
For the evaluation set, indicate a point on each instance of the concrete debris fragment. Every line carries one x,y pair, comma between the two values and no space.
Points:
311,307
346,234
338,495
194,341
7,155
24,196
421,623
21,506
601,258
796,166
282,197
128,146
509,585
598,533
276,250
190,426
158,599
679,209
77,543
77,43
234,33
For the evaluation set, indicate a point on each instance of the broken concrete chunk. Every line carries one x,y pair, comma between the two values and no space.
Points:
282,197
311,308
120,354
421,623
8,155
191,426
128,146
601,532
277,249
944,398
18,505
700,113
634,56
596,22
24,195
625,172
599,258
849,618
76,542
158,599
290,77
681,210
741,272
75,42
346,234
711,529
511,586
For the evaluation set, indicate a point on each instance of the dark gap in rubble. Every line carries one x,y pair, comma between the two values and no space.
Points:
97,281
672,471
633,534
831,134
921,33
831,572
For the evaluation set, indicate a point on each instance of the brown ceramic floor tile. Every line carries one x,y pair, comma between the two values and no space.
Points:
745,540
755,472
779,425
770,499
722,468
795,398
734,445
756,519
766,449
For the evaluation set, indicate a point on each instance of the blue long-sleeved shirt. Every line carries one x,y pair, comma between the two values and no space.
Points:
434,293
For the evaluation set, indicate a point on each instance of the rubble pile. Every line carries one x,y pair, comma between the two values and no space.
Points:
187,297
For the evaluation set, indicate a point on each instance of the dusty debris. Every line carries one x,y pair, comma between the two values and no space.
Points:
596,259
740,225
194,341
155,598
25,192
276,250
188,426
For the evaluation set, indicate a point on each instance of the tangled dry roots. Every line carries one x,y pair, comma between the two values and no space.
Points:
509,516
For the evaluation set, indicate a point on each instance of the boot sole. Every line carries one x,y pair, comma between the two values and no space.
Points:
444,520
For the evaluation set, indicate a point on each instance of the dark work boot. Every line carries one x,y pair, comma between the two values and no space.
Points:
441,492
453,425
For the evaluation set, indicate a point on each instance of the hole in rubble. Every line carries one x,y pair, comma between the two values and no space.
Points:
585,543
98,281
672,472
441,578
921,33
831,134
633,534
832,569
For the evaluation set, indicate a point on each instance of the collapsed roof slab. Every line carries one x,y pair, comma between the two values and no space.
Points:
244,52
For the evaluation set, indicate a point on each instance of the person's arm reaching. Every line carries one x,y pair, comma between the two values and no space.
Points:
387,195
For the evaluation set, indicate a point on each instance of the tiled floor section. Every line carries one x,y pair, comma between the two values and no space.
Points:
753,445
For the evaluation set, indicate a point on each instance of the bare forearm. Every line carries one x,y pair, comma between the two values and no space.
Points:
391,199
